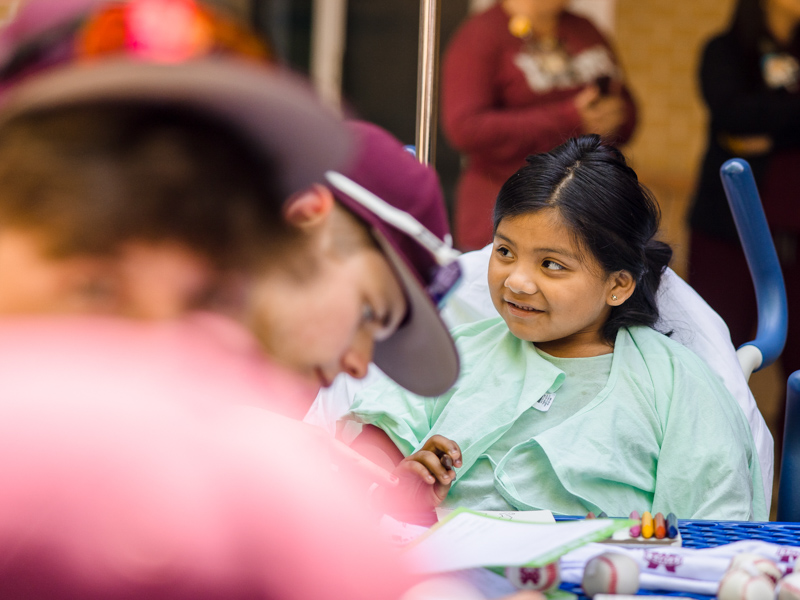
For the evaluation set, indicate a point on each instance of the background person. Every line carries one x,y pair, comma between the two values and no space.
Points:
518,79
750,79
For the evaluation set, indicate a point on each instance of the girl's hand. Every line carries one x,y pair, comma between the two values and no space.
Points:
425,476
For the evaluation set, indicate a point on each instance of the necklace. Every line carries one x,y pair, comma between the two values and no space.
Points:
547,51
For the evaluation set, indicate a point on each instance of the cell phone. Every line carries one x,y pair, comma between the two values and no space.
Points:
603,84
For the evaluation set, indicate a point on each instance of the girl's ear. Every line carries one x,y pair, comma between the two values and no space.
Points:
622,287
309,208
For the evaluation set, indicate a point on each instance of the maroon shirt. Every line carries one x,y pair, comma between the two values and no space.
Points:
498,106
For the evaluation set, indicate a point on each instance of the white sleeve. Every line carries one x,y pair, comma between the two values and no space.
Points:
333,402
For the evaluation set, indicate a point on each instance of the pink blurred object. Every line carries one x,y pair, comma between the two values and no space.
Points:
167,30
138,462
37,17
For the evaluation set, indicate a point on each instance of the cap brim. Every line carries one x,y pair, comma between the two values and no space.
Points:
275,109
421,355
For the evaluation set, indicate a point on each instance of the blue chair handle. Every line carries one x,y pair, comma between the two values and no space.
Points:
762,260
789,487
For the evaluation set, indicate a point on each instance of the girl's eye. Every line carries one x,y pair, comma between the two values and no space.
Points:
552,266
503,251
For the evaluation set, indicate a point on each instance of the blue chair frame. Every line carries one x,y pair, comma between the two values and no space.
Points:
762,261
765,271
789,486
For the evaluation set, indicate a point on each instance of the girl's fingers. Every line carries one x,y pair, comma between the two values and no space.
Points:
447,462
429,466
434,464
410,467
444,447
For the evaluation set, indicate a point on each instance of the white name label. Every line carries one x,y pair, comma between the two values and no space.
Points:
543,404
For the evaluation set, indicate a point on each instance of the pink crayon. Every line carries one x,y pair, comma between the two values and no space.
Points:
636,530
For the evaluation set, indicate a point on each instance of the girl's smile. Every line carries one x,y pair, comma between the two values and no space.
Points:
549,290
521,309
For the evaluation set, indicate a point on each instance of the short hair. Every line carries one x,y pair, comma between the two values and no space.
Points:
89,177
610,214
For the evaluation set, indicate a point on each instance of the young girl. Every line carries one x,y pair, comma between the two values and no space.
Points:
569,400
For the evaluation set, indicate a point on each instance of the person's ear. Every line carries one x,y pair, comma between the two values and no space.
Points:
309,208
622,287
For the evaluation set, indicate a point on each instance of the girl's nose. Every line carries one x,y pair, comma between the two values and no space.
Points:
520,282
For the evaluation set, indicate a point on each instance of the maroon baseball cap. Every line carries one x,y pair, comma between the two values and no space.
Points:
401,201
180,52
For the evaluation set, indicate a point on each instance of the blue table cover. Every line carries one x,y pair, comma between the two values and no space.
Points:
705,534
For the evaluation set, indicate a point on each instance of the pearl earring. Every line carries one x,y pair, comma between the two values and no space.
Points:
613,297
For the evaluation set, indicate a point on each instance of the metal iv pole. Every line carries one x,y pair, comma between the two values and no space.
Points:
427,81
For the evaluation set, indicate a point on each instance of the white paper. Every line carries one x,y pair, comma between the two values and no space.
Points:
467,540
529,516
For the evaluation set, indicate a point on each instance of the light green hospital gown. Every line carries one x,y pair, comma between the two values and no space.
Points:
648,427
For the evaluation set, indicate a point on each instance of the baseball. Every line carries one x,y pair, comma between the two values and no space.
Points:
756,564
611,573
543,578
738,584
789,587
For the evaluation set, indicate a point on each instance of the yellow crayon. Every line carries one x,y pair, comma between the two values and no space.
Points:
647,525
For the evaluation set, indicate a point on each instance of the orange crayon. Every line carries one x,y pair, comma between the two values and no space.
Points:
647,525
660,526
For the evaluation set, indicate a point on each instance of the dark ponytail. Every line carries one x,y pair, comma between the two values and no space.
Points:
610,213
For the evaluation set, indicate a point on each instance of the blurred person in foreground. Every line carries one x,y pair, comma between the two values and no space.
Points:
521,78
145,153
138,188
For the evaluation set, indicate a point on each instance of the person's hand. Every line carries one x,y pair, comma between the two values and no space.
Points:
599,114
425,477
